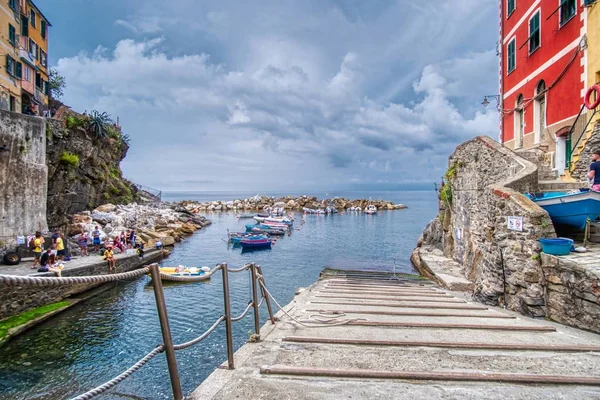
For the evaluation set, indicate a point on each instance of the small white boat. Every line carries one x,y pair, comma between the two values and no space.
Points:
371,209
181,273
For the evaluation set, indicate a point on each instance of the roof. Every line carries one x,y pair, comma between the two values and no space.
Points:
39,12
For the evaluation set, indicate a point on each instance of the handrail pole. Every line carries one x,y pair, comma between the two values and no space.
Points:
166,331
266,296
227,310
255,300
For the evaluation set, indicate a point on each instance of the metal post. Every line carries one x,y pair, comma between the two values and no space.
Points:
227,307
255,300
166,331
266,296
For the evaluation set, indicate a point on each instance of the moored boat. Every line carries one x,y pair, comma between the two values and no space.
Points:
371,209
572,208
237,237
184,274
256,244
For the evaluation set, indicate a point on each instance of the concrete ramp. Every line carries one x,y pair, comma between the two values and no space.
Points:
364,335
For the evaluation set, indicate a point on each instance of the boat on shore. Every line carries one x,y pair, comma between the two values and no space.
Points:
572,208
182,273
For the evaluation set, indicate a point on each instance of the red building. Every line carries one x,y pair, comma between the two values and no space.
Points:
542,46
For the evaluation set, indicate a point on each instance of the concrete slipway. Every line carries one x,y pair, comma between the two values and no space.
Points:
407,339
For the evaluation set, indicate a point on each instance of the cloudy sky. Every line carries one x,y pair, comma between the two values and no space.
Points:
282,95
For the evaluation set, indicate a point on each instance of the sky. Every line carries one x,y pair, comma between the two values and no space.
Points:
282,95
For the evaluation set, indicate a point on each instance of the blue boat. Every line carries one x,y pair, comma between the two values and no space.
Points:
237,237
570,208
256,244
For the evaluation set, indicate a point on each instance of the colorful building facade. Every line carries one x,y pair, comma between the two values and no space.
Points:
543,59
24,81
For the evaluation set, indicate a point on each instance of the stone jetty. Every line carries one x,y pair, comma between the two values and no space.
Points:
157,222
291,203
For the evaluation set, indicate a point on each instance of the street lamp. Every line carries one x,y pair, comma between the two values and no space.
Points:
486,102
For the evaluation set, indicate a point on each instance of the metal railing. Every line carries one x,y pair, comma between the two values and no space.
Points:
167,347
577,132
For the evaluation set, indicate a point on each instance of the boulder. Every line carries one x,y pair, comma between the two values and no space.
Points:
106,208
168,240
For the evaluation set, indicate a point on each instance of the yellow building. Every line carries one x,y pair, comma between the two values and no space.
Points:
24,46
593,51
10,76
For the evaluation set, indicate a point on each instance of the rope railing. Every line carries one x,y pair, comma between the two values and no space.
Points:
201,337
168,347
242,315
118,379
13,280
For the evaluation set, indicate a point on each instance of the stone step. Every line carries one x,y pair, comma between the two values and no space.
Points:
560,186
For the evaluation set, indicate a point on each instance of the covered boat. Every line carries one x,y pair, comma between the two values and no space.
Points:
266,231
256,244
570,208
181,273
371,209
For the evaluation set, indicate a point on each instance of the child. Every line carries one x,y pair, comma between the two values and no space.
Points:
82,241
110,259
96,238
117,244
140,249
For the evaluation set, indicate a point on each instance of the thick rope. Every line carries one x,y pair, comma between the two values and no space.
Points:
13,280
118,379
242,315
313,320
201,337
244,268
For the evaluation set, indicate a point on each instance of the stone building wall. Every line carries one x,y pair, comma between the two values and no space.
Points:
23,176
582,166
487,182
16,299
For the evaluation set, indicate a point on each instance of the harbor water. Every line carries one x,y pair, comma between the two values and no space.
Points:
96,340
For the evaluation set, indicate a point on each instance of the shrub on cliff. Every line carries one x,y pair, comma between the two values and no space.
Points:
99,124
74,122
69,159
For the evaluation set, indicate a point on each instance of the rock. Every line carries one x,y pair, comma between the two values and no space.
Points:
106,208
168,240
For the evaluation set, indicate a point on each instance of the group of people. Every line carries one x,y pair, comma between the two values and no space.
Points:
52,258
126,240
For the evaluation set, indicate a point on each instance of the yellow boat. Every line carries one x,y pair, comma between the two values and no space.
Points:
185,274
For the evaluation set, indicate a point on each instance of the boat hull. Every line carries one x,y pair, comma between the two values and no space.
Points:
255,244
572,209
171,274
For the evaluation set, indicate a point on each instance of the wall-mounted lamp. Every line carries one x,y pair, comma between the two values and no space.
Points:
486,102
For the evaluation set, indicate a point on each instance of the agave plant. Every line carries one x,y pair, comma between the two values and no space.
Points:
98,122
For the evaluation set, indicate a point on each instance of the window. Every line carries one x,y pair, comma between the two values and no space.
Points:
510,7
46,88
43,58
10,65
19,70
33,49
568,8
38,80
43,28
512,55
12,4
27,73
12,35
24,26
32,18
12,103
534,33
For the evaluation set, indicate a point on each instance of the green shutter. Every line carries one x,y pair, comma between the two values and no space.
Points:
511,56
19,70
24,26
43,28
12,35
510,6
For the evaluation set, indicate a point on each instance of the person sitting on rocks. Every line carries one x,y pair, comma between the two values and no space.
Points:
118,245
96,239
110,259
82,241
48,263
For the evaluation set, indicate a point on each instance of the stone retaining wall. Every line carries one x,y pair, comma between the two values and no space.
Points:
16,299
487,182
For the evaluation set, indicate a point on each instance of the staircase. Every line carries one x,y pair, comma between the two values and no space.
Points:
548,179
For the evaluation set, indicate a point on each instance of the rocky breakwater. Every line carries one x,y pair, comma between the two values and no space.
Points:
152,223
291,203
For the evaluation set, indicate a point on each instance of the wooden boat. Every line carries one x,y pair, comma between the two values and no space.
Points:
237,237
184,274
256,244
572,208
245,216
270,232
274,220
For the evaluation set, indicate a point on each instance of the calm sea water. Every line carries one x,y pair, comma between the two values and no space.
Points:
96,340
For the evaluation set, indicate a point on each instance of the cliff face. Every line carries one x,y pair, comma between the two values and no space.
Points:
83,170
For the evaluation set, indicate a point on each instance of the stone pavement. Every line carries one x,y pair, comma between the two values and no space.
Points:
407,339
24,267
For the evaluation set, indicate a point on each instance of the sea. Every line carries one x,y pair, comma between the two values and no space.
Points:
96,340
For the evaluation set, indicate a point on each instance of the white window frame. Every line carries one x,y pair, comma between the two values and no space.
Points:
514,39
509,13
537,11
560,23
26,73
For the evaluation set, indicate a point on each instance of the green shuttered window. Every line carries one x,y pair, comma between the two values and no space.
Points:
512,55
510,7
534,33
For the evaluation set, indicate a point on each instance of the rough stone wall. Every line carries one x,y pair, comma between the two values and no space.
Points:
16,299
572,292
94,180
23,176
582,166
487,182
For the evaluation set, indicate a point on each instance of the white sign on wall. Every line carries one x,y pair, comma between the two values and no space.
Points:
515,224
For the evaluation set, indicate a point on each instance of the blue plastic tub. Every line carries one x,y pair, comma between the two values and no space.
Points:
557,247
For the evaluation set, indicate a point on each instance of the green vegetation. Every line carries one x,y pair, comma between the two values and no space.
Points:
70,159
49,133
57,83
20,319
99,124
546,222
535,257
74,122
113,190
446,194
115,173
